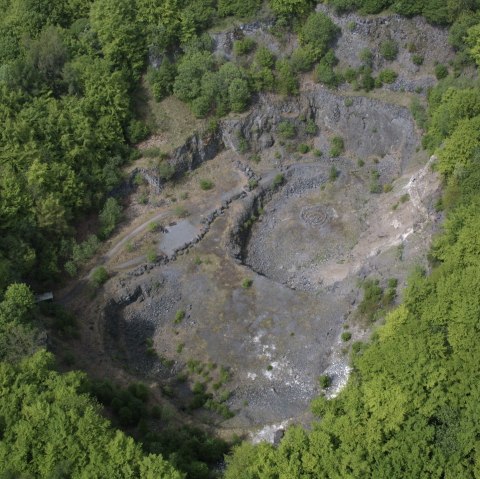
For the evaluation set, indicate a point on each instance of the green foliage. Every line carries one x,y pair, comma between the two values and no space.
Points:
389,49
317,33
99,276
417,59
419,113
288,8
366,57
324,381
166,171
333,173
115,23
244,46
286,82
110,216
206,184
337,146
387,76
346,336
409,409
311,127
278,180
179,316
161,79
303,148
49,420
302,59
460,147
247,283
264,57
441,71
240,8
286,129
325,74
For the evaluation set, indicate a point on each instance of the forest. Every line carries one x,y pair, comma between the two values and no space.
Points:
68,74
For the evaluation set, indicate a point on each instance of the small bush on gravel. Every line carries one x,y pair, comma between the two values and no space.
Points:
286,130
324,381
247,283
346,336
389,50
206,185
278,180
179,316
337,146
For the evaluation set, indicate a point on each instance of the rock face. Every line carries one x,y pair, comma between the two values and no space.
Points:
368,126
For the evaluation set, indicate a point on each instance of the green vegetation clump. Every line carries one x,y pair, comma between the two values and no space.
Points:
99,276
389,49
441,71
286,130
206,184
337,146
387,76
325,381
346,336
179,316
278,180
244,46
247,283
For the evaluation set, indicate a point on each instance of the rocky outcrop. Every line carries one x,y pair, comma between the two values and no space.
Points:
368,127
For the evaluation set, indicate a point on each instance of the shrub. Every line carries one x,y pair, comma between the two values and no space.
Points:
372,299
161,79
153,226
179,316
417,59
366,57
346,336
389,50
387,76
311,127
247,283
348,102
317,33
325,74
238,94
264,58
441,71
404,198
325,381
337,146
109,216
165,170
367,82
151,255
333,173
239,8
99,276
302,59
286,130
374,184
206,185
350,75
244,46
278,180
303,148
180,211
287,82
